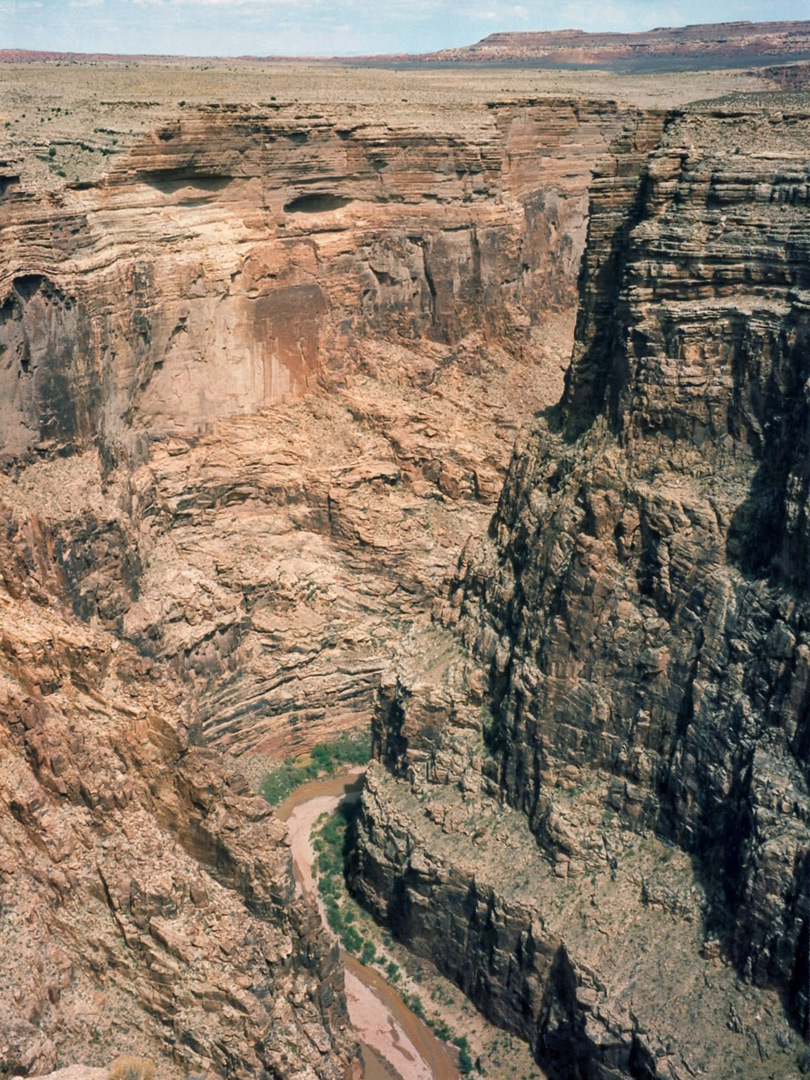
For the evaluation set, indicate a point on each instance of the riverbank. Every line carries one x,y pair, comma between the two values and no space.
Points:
492,1052
384,1024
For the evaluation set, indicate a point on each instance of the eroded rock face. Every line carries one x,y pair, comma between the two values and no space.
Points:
148,904
258,382
239,254
639,605
302,345
679,666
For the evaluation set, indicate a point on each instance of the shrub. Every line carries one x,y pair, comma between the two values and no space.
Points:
443,1030
369,953
132,1068
414,1003
326,887
333,916
322,756
465,1062
352,942
278,784
352,748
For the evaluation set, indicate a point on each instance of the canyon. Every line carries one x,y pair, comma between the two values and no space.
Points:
264,359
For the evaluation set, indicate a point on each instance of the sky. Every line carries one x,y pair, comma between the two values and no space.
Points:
338,27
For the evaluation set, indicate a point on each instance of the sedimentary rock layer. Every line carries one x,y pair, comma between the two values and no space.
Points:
148,903
313,337
238,254
640,607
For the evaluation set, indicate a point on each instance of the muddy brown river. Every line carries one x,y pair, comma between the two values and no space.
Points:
395,1042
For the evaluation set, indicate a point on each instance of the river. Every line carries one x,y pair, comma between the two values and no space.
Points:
392,1037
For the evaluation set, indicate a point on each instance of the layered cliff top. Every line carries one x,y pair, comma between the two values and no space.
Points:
63,123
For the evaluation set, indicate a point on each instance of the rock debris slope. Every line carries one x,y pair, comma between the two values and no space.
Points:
604,839
148,903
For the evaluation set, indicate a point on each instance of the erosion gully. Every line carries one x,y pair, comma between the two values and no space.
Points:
394,1041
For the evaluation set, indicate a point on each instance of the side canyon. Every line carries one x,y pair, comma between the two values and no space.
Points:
264,360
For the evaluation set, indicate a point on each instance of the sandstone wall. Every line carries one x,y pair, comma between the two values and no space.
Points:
239,253
639,609
644,591
147,902
301,343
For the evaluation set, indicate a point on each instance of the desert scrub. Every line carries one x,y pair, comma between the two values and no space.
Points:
132,1068
325,759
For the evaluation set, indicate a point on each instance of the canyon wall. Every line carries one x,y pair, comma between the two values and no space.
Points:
147,902
639,606
259,379
301,343
240,253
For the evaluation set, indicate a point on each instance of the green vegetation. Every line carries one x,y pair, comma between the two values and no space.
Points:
414,1003
326,759
352,942
346,919
368,954
329,844
465,1061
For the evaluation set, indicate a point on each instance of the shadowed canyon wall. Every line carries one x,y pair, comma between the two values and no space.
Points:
639,606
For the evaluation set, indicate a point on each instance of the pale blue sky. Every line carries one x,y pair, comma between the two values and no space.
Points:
338,27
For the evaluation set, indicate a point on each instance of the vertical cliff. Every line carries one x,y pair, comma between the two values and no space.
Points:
640,608
239,253
651,571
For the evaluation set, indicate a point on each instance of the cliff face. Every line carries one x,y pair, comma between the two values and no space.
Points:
651,572
148,904
238,254
640,609
302,344
258,380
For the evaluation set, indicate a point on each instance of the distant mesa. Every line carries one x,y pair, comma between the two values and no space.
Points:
706,45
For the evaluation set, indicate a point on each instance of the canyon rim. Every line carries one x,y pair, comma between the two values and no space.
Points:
472,411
